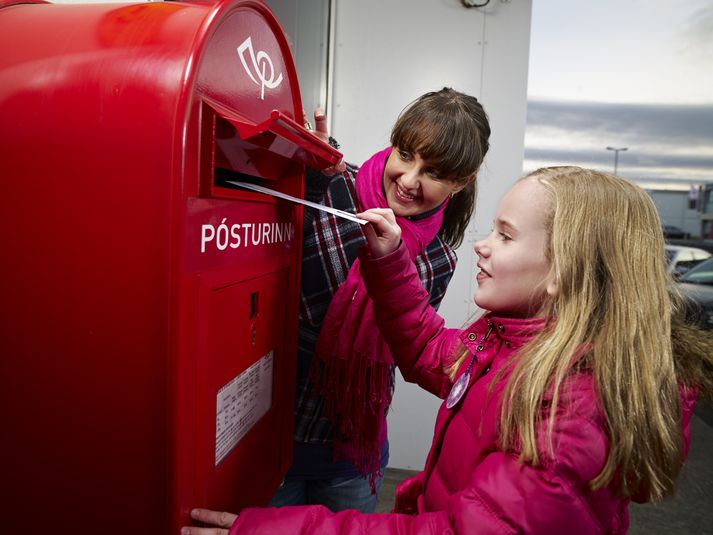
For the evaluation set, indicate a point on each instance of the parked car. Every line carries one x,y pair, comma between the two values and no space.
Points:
682,258
672,231
697,286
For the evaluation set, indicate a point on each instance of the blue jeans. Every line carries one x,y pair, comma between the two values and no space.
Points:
336,494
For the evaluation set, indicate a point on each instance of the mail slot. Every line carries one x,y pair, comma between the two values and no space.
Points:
149,333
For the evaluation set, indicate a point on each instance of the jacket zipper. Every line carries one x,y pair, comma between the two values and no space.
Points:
479,348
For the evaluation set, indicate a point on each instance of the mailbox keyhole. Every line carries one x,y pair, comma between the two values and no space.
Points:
253,304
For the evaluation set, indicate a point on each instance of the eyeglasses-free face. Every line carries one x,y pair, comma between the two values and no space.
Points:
514,272
414,186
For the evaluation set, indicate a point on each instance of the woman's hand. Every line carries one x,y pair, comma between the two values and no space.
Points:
220,521
320,130
383,234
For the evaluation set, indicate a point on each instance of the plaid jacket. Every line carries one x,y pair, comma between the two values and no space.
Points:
329,249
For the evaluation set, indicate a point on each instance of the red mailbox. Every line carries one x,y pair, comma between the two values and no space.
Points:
149,326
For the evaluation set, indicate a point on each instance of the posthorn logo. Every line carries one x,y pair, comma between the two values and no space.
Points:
260,68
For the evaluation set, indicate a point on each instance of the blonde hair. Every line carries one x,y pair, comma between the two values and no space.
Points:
612,316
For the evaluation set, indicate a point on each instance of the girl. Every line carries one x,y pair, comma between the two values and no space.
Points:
344,369
569,397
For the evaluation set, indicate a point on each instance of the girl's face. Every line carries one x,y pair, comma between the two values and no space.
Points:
412,184
514,276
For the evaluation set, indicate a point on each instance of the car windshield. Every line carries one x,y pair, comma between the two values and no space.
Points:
701,274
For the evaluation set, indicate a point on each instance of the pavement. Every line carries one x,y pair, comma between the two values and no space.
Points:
690,510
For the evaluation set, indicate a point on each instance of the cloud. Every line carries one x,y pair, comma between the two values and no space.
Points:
662,140
603,157
698,32
657,123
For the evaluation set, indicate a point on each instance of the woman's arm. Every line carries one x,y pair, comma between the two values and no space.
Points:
317,180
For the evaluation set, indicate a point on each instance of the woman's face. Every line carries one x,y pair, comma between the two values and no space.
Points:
514,272
412,184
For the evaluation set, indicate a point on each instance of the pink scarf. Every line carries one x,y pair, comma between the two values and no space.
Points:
353,370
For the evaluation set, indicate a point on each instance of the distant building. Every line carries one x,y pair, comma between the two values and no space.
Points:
678,204
705,204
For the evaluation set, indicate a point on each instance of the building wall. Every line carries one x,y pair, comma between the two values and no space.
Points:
387,53
306,24
673,210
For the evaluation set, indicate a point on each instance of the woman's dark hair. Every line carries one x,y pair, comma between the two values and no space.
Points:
450,130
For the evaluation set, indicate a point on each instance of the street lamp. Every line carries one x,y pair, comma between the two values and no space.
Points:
616,155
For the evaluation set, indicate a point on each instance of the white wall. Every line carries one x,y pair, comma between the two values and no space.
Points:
306,24
673,210
388,52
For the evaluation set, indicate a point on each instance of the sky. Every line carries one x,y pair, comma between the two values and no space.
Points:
636,74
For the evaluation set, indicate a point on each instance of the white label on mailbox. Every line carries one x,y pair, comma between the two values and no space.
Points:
259,66
235,235
241,403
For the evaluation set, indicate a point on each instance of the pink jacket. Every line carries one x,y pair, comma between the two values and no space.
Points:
470,486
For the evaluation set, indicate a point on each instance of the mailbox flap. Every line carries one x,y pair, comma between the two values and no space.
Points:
6,3
279,134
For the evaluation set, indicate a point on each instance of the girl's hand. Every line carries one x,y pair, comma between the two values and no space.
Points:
383,234
320,130
220,521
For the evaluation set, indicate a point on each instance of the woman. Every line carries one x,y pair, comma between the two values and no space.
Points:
345,371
